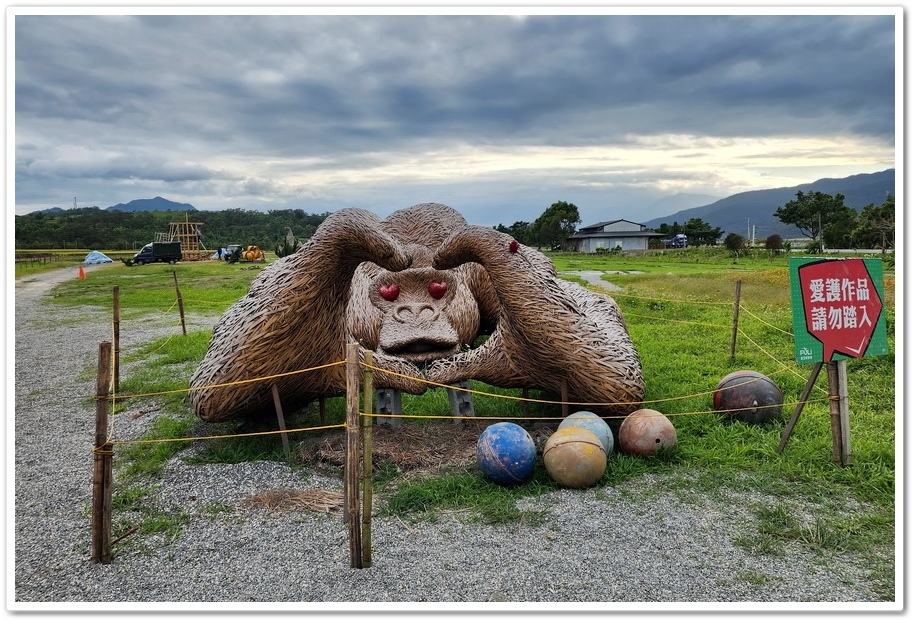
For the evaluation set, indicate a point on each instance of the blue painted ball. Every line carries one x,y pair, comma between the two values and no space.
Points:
574,457
590,421
506,454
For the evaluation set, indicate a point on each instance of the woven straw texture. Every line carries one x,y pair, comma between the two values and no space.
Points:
417,289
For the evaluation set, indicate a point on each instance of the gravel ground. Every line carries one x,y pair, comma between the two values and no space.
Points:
614,548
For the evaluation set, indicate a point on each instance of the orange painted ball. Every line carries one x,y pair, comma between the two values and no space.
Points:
645,431
574,457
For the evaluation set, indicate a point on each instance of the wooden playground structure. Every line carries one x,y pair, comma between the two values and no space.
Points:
188,234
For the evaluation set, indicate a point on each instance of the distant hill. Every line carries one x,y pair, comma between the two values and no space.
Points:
733,214
157,204
49,211
681,201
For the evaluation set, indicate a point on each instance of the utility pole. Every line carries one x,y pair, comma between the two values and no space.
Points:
820,231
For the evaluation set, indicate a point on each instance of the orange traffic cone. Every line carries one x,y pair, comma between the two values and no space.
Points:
82,273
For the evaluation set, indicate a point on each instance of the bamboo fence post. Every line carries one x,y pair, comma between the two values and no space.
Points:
351,463
839,411
843,396
735,317
184,330
281,421
101,463
367,422
116,339
798,408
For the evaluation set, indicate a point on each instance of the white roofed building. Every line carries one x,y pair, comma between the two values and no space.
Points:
608,235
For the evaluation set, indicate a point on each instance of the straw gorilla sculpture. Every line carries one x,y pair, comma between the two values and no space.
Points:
418,289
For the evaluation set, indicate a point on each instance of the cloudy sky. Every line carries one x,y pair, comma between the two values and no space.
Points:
496,115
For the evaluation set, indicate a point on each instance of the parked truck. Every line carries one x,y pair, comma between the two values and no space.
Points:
679,241
158,252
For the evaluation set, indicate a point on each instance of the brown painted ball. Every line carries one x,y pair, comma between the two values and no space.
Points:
645,431
748,396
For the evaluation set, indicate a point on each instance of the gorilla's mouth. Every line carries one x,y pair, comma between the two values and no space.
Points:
422,350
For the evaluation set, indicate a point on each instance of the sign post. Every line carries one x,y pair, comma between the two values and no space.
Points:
837,314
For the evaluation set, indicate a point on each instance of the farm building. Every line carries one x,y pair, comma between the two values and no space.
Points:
609,235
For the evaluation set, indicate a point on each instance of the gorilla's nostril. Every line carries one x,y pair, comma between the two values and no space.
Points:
415,314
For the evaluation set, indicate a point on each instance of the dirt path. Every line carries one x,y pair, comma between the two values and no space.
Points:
39,284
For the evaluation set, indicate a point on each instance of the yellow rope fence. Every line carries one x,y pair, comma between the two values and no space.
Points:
790,368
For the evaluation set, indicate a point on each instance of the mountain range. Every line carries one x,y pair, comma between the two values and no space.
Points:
749,213
753,210
156,204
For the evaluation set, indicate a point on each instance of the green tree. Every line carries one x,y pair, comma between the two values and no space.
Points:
520,230
875,227
115,230
699,232
735,242
555,225
838,234
813,211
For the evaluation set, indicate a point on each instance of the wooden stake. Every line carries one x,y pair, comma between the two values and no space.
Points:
116,339
564,397
798,408
367,422
843,394
735,317
839,411
184,330
281,421
101,463
351,473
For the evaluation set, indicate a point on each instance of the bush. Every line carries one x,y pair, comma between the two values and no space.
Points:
813,246
735,242
774,243
287,245
284,248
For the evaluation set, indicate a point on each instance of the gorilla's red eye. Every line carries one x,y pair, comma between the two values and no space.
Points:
389,292
437,289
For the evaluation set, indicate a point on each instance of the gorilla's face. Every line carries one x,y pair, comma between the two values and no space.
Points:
418,314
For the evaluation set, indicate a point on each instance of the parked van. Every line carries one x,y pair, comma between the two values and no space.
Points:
158,252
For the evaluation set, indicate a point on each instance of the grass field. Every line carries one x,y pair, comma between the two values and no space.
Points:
678,307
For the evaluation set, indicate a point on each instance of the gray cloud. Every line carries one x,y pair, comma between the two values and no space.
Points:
169,100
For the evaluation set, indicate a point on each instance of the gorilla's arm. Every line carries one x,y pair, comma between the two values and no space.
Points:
549,329
292,318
